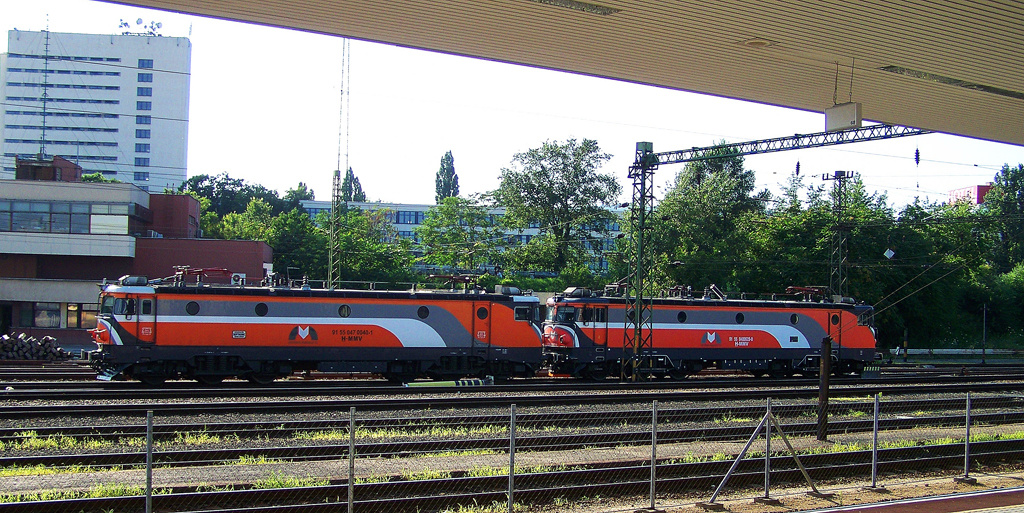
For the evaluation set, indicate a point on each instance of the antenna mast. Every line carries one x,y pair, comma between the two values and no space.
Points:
46,86
339,204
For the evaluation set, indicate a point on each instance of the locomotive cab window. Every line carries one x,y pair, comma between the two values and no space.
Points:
124,306
522,313
565,314
147,307
600,315
107,307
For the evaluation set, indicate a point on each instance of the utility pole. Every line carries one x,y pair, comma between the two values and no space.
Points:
984,330
637,339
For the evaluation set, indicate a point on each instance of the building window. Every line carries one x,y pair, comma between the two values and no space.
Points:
47,315
141,162
143,120
142,176
146,63
79,223
141,147
145,77
144,91
142,133
82,315
409,217
144,105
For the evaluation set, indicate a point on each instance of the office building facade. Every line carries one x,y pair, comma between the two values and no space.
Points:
113,104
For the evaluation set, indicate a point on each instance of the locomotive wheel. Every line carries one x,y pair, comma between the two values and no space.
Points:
678,374
261,379
209,380
594,374
153,380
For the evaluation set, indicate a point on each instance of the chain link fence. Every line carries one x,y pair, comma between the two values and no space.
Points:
597,458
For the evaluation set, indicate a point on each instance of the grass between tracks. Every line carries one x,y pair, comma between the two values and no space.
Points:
95,492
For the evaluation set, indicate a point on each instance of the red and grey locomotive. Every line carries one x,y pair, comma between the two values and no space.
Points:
154,332
583,335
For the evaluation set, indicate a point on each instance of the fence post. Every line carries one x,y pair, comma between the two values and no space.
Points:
511,458
654,450
351,457
149,461
967,479
874,449
767,499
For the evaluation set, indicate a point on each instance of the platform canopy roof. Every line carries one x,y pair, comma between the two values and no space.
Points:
954,66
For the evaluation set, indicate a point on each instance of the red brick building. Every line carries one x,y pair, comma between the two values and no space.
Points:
60,238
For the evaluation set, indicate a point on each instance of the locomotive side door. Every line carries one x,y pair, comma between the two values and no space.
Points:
143,309
594,323
835,330
481,336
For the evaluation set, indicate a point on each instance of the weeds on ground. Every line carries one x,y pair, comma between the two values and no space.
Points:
95,492
494,507
280,480
44,470
31,441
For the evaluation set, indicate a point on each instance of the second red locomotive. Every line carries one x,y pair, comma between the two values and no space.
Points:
583,335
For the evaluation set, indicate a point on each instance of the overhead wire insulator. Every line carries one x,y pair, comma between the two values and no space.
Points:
917,156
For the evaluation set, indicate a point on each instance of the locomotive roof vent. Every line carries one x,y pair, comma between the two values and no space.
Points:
130,281
577,292
507,290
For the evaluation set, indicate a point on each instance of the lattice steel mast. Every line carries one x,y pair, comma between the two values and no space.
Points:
637,340
840,235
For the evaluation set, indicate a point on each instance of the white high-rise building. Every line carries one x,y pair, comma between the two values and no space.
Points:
115,104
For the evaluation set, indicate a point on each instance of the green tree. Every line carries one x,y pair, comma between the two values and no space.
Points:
351,189
459,233
446,182
228,194
558,188
299,243
252,224
1005,201
293,197
98,178
698,223
371,249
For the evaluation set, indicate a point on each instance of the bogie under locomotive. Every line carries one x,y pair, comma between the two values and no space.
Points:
154,332
583,336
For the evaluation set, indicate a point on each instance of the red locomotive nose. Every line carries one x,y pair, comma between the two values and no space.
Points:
100,335
558,337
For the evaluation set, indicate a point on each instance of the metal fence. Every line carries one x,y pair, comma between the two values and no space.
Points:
625,457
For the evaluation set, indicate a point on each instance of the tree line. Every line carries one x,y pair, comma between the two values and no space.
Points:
933,270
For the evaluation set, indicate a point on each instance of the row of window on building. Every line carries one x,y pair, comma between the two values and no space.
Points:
66,217
53,315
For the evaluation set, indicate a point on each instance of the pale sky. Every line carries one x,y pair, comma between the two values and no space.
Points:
264,107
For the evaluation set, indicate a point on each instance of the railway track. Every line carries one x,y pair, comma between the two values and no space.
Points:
1009,412
60,406
287,429
620,478
65,374
98,391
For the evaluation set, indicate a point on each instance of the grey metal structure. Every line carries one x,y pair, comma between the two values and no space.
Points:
637,340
